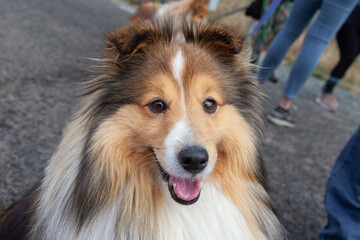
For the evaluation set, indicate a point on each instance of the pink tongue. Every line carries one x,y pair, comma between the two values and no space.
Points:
186,188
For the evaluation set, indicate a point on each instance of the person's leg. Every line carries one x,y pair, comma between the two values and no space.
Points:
333,14
301,14
342,198
348,39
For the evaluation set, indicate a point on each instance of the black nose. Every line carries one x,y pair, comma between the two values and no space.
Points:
193,159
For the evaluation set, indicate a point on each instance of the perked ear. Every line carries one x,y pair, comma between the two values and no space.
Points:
218,39
199,7
124,43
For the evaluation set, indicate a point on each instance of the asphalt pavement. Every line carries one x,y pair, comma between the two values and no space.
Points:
43,50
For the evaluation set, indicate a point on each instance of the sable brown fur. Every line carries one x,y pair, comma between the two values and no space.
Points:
145,12
193,10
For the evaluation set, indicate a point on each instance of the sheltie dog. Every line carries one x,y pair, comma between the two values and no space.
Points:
194,10
179,11
163,146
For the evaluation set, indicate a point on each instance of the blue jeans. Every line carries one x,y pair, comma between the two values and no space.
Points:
342,198
332,15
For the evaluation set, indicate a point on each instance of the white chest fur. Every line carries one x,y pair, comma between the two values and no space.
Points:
213,216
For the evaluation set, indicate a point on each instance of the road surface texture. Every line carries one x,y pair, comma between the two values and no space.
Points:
44,45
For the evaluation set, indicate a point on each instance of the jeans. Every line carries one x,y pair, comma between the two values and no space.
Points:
342,197
332,15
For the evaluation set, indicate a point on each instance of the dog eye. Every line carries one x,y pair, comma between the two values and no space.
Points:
157,106
210,106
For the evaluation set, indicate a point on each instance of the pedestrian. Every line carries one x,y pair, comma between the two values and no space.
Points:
332,14
348,39
342,197
265,35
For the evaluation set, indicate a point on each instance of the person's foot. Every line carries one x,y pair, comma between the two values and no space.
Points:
327,101
281,117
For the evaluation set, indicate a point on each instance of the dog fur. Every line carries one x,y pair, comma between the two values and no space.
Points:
179,11
191,10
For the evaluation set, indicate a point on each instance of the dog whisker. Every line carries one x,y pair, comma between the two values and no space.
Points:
146,146
143,165
143,158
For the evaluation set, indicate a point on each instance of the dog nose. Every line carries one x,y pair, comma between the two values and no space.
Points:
193,159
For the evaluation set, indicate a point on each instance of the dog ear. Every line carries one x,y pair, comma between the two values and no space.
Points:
199,8
144,12
127,42
218,39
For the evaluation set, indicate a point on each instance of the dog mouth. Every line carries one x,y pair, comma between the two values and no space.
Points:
185,191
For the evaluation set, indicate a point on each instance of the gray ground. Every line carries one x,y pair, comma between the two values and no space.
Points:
43,44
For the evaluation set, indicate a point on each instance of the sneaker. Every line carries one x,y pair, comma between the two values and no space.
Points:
327,101
281,117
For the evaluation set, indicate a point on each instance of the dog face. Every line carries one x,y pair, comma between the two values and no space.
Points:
199,10
168,114
181,112
191,10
